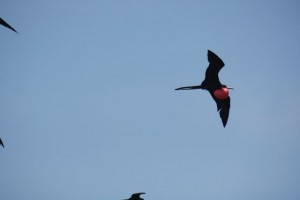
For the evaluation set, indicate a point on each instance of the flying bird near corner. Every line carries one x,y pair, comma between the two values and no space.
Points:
2,22
136,196
1,143
218,91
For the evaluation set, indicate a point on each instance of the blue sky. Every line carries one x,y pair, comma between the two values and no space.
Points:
89,110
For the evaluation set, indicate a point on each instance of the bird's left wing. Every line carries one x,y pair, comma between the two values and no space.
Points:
2,22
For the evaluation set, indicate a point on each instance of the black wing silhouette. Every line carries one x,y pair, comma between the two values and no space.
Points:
1,143
224,112
223,107
215,61
2,22
211,81
136,196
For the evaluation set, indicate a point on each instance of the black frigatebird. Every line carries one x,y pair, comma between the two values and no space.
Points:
1,143
136,196
218,91
2,22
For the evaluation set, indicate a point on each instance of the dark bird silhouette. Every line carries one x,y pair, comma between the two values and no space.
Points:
136,196
1,143
2,22
212,83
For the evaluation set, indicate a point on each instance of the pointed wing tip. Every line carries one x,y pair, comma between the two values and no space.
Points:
224,117
4,23
224,110
11,28
224,122
209,52
214,59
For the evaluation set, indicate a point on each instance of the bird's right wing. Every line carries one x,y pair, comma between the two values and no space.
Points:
2,22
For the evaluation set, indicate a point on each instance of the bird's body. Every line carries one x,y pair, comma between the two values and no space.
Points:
1,143
4,23
136,196
212,83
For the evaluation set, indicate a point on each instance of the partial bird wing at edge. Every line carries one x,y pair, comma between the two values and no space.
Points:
1,143
2,22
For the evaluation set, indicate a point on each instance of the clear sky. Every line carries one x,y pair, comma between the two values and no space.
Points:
89,110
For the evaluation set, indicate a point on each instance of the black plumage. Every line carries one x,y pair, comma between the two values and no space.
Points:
1,143
4,23
136,196
212,83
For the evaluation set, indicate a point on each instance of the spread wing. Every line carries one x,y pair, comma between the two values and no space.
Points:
223,107
224,112
214,61
212,71
2,22
1,143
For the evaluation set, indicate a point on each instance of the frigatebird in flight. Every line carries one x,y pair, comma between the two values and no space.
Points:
136,196
218,91
1,143
2,22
